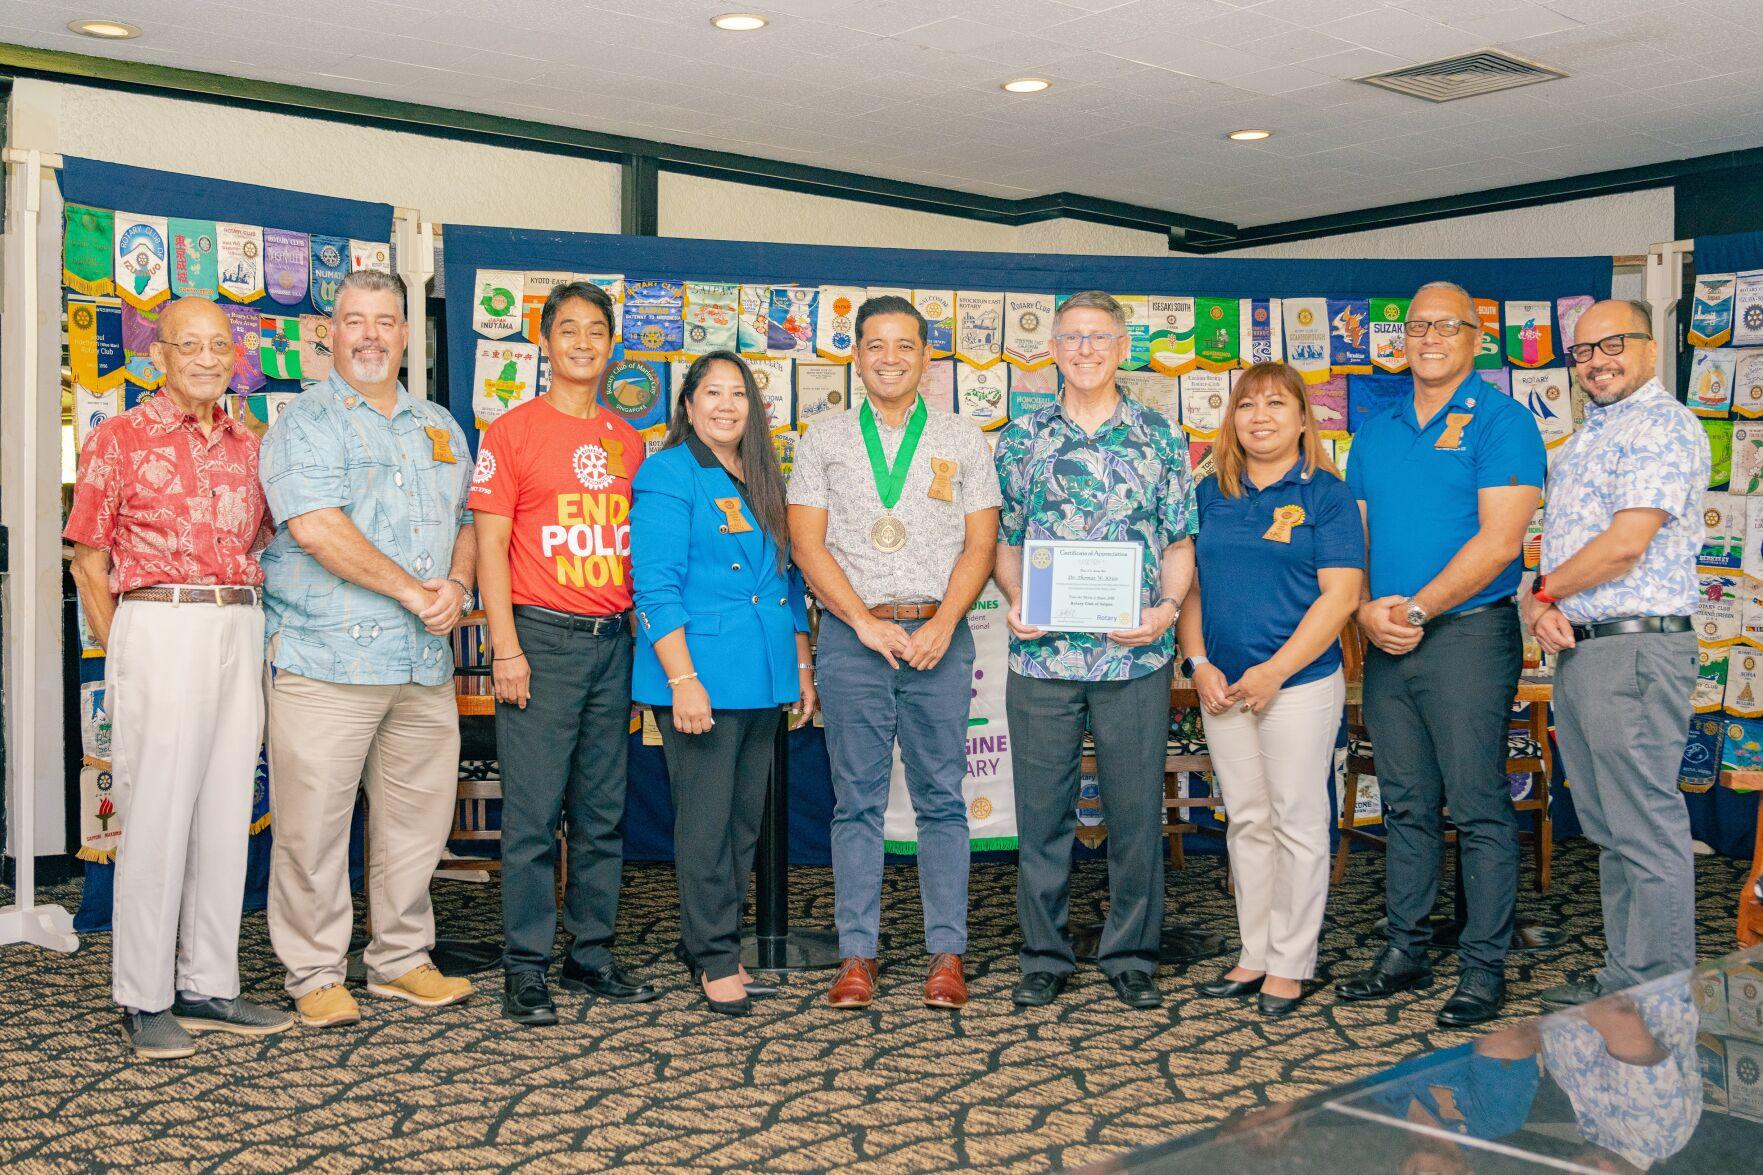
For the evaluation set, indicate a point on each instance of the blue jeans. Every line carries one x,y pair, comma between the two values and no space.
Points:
868,706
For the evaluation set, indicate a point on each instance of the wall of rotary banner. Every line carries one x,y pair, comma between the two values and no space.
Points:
1195,325
132,239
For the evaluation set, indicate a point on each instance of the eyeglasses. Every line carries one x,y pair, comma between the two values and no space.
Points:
1609,345
219,348
1447,327
1072,341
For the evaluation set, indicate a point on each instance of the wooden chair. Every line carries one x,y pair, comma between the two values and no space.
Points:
1527,749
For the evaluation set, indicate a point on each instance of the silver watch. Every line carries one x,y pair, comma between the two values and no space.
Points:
1417,615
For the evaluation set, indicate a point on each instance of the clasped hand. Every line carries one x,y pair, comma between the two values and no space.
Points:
1384,622
1253,691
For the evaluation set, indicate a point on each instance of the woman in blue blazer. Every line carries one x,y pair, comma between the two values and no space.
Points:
722,643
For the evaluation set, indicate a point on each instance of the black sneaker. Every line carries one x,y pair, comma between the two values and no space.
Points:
526,999
156,1036
237,1016
1570,994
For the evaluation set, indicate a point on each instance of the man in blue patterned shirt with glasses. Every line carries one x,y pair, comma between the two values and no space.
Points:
1095,466
1613,600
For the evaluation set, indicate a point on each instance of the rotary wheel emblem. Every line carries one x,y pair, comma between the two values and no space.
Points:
590,467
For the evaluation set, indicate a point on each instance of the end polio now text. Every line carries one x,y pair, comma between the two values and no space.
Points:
592,531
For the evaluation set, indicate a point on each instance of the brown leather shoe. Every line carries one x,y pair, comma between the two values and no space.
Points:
854,987
944,985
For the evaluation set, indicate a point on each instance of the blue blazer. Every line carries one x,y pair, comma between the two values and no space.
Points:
741,614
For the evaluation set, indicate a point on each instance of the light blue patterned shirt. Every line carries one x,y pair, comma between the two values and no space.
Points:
404,487
1644,452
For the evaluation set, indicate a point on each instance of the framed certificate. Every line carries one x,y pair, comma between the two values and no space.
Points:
1081,586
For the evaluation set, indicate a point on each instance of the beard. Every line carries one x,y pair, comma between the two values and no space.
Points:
372,366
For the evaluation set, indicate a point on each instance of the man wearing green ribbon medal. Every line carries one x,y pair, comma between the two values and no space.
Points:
893,516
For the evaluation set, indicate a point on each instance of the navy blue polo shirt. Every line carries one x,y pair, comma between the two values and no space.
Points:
1421,501
1254,590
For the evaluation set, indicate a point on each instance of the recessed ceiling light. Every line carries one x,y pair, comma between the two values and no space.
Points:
1027,85
1248,136
739,22
104,30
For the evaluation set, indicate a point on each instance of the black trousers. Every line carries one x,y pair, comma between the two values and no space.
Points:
564,753
1131,723
718,782
1438,719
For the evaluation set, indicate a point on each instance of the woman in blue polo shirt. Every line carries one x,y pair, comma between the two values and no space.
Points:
1280,559
722,643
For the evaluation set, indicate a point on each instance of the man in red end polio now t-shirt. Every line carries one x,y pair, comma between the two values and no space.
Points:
552,498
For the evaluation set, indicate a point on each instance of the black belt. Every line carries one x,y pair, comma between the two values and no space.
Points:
592,625
1623,626
1468,612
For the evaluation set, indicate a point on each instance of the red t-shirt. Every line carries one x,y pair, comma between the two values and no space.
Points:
566,483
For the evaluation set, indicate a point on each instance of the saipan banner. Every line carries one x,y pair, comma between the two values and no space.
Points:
991,805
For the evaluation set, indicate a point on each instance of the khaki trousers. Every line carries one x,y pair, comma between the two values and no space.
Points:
400,742
1274,770
185,695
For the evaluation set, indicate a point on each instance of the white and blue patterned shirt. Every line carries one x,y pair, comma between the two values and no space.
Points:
1643,452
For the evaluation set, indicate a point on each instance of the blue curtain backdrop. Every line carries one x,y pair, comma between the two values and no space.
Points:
163,193
1724,818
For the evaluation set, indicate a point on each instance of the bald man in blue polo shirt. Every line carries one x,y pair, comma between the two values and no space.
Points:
1448,482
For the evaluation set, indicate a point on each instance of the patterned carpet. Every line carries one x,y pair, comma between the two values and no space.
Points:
796,1087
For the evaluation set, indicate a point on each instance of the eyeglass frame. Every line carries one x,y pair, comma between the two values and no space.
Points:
189,348
1598,344
1097,340
1427,324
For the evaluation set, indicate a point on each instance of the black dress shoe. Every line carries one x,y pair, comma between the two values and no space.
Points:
1037,989
1394,971
610,983
761,988
1275,1006
1570,994
1230,989
740,1007
1137,989
757,989
525,998
1476,1000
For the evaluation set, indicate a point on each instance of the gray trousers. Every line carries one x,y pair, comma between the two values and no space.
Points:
1131,723
565,753
1438,719
1621,708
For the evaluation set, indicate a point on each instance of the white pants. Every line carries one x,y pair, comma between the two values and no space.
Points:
184,689
1274,770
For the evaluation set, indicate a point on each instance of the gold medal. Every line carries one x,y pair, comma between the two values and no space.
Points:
888,534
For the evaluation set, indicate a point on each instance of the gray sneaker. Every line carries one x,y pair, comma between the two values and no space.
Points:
235,1015
156,1036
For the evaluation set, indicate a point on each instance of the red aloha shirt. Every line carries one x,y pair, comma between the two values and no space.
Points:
169,504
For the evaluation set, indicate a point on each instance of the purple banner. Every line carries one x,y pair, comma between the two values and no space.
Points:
284,265
247,336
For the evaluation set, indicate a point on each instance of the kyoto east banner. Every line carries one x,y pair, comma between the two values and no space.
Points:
991,804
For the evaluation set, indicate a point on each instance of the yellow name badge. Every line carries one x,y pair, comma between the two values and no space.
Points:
734,521
614,451
1452,437
1284,519
443,445
942,473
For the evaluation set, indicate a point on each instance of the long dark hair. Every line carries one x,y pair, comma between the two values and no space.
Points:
762,474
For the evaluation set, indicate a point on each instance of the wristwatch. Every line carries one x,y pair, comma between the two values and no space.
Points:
1417,615
1542,595
465,602
1189,664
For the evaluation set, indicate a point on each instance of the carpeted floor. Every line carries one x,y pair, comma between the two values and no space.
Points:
796,1087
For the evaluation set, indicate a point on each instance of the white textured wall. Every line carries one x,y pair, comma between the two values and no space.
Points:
1615,225
448,181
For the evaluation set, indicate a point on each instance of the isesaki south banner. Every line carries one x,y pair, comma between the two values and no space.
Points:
991,805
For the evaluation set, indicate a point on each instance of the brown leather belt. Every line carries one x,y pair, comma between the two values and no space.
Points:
195,595
903,611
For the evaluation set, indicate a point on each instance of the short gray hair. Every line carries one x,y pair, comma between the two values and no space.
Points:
1454,288
374,281
1093,300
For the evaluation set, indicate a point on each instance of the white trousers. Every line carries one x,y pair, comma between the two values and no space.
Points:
184,688
1274,770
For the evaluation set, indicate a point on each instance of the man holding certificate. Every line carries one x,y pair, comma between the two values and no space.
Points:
893,512
1094,549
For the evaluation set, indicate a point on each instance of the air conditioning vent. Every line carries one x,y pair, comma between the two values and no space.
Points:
1464,76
